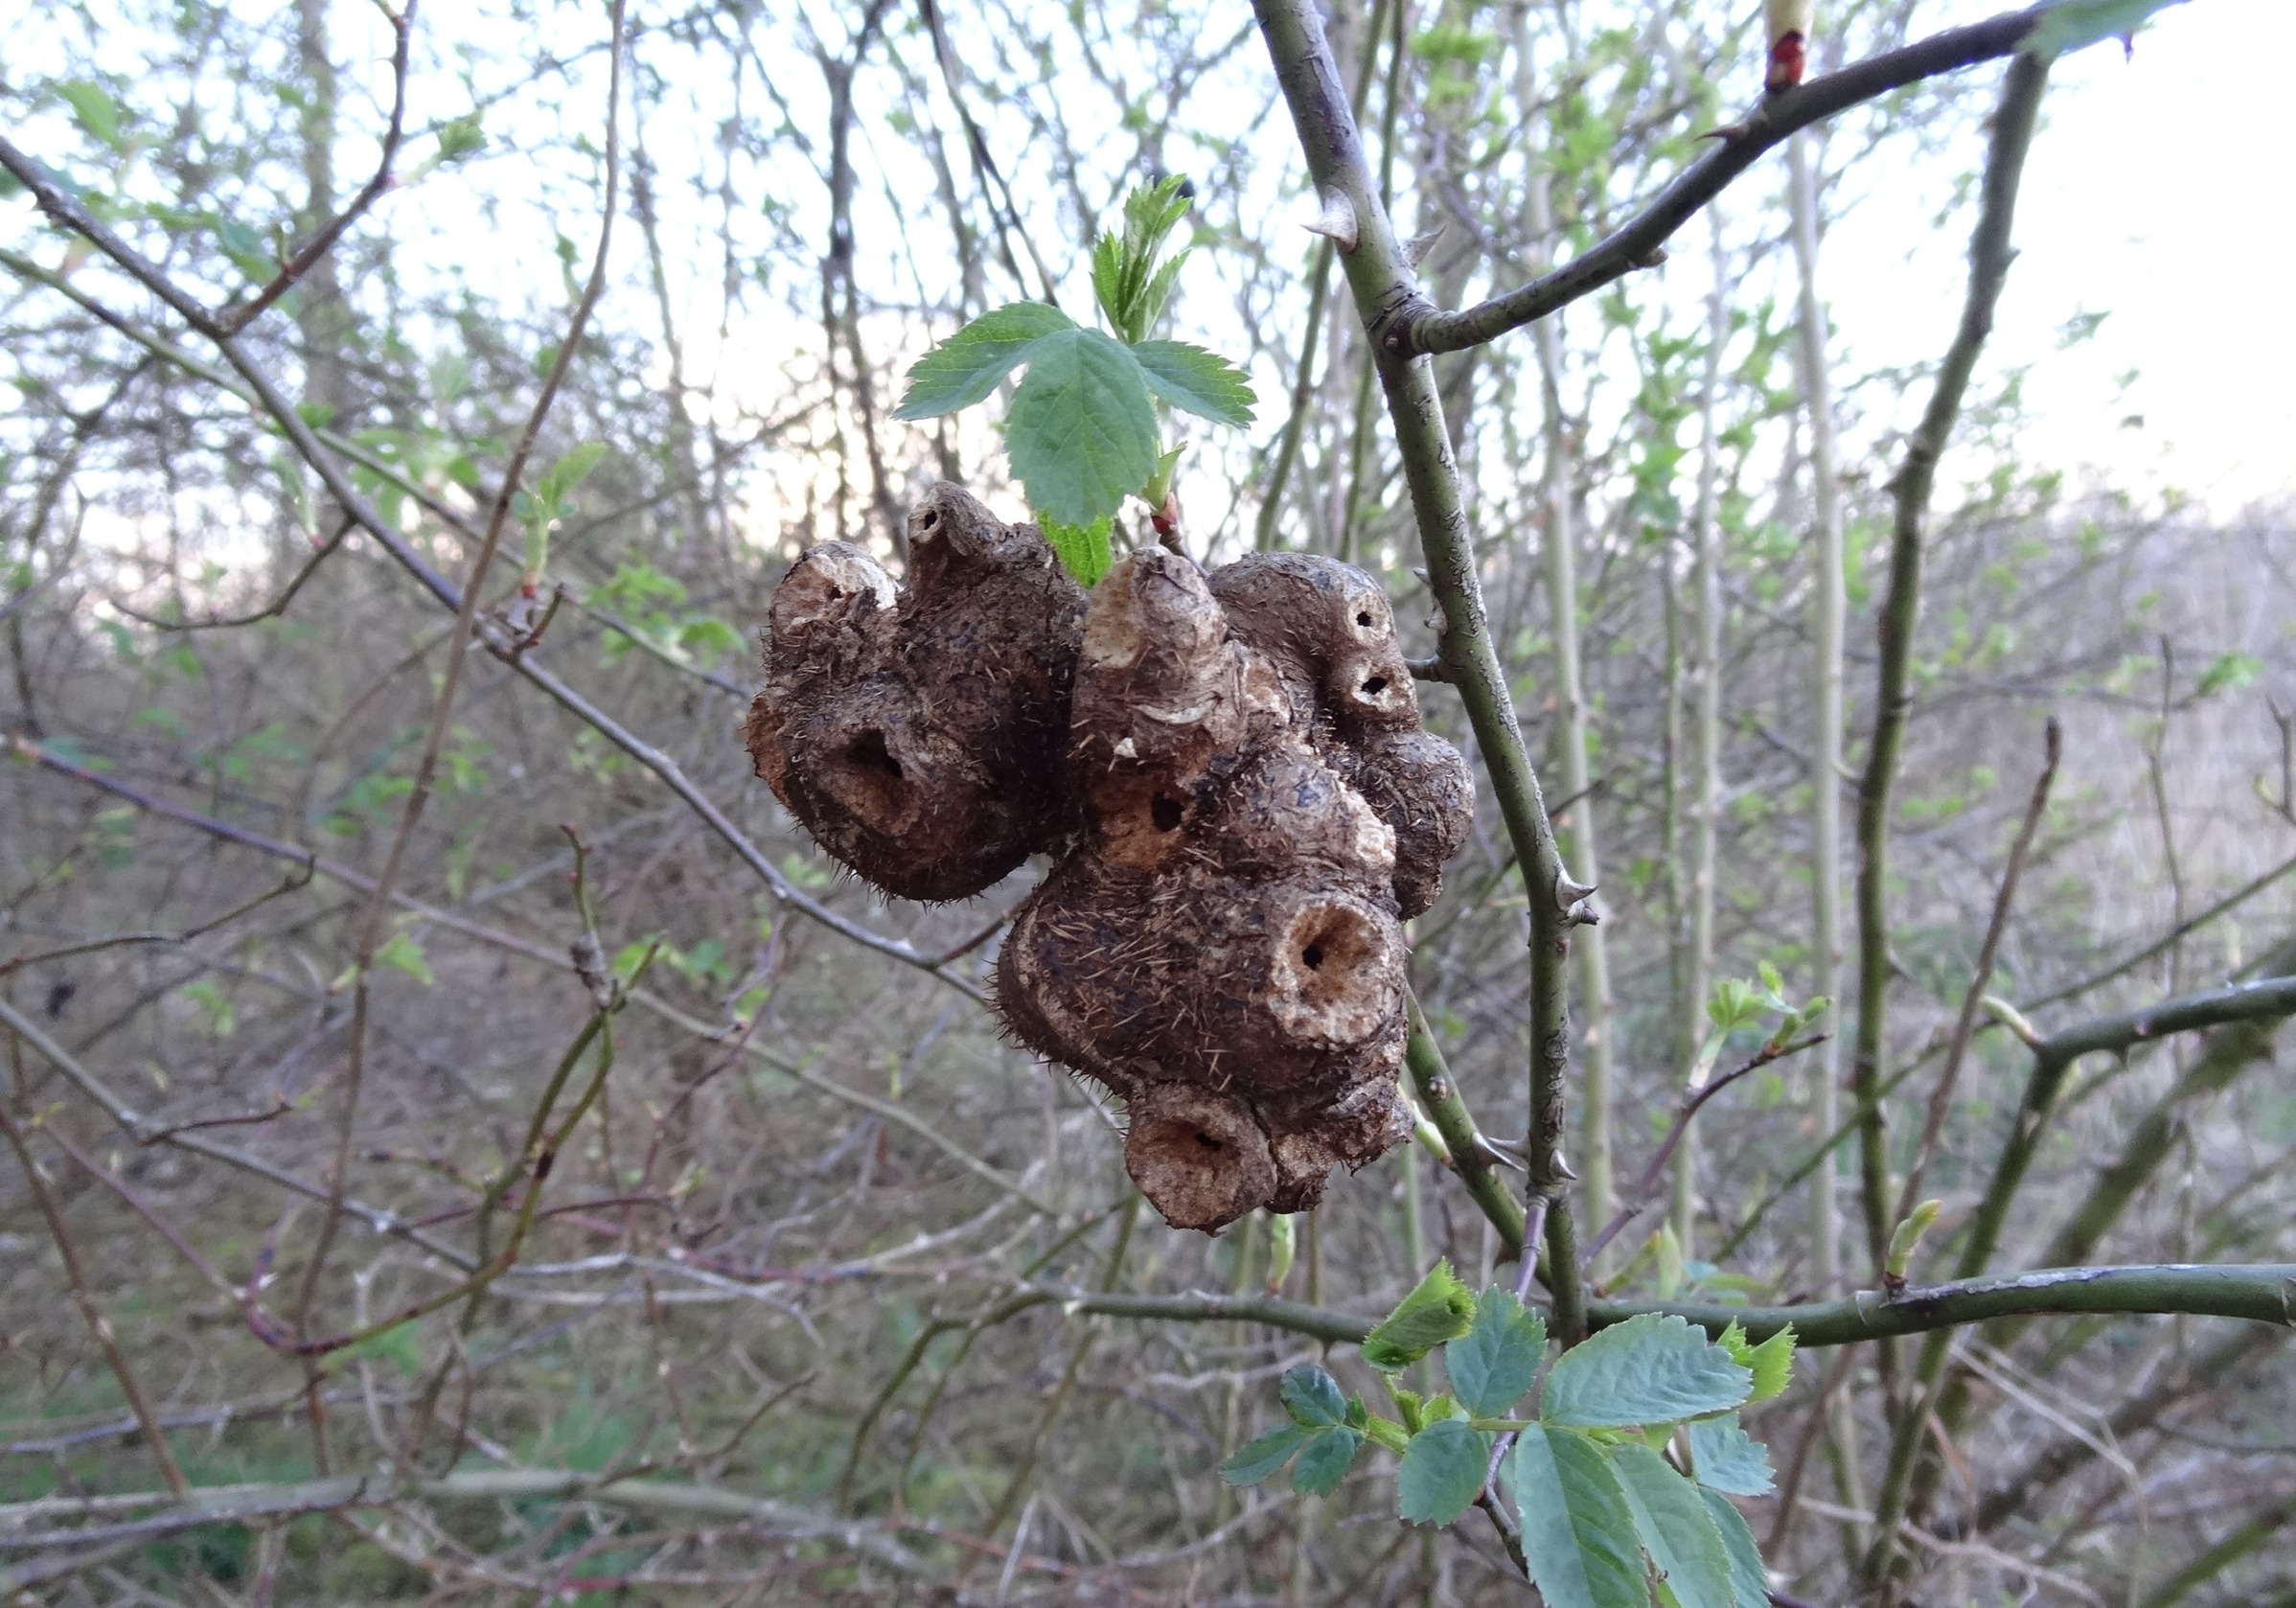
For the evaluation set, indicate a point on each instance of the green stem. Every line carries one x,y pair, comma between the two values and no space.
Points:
2263,1292
1380,278
1470,1152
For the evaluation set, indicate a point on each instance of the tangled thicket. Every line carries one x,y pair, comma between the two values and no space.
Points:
1231,775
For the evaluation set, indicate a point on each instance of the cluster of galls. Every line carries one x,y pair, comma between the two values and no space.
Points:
1230,773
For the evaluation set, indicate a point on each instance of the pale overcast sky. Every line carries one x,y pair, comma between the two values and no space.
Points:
2158,193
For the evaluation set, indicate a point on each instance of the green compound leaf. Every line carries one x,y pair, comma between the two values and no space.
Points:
1085,553
1438,1310
1650,1370
1082,433
1262,1457
1325,1463
1578,1535
1312,1399
1677,1530
2078,23
1196,382
1442,1472
966,367
1494,1364
1772,1361
1727,1458
1749,1581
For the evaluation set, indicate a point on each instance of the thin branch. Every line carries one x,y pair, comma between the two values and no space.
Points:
117,940
1470,1152
1645,1193
1940,1098
2175,935
84,1299
131,1123
307,256
1379,269
1990,256
374,920
1412,325
2263,1292
271,610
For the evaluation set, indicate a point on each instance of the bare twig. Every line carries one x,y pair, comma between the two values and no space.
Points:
117,940
1940,1098
1411,325
131,1123
374,920
2120,969
270,610
1645,1193
84,1299
307,254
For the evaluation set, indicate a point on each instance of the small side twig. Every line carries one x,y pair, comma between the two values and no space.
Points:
117,940
1940,1098
306,256
1645,1193
90,1313
271,610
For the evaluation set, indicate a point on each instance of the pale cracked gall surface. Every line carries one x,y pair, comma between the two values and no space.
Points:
917,732
1222,948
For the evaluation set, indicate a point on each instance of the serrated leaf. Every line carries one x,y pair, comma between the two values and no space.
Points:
1578,1535
1440,1309
1773,1366
1325,1463
1312,1399
1084,552
1196,382
1494,1364
1108,278
1257,1462
1082,432
1650,1370
1677,1532
1749,1581
2076,23
1772,1361
1442,1472
1159,290
1725,1458
966,367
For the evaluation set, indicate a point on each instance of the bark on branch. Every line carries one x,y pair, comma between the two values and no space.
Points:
1416,326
